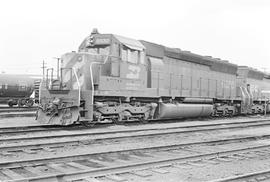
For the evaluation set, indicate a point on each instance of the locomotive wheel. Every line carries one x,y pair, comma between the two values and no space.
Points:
29,103
10,104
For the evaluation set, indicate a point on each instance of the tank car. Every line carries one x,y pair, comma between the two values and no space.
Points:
16,89
113,78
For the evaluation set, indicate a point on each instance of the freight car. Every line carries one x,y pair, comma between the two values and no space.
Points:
114,78
16,89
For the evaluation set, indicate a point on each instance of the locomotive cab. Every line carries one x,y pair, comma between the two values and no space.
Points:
105,64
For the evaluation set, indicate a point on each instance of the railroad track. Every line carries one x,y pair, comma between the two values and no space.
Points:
50,128
114,162
184,144
53,136
55,165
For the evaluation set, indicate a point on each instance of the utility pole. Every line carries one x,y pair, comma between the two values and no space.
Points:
43,69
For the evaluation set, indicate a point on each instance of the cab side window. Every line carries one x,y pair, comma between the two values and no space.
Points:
105,50
124,54
131,55
141,57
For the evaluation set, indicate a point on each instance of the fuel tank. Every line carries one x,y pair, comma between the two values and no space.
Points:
179,110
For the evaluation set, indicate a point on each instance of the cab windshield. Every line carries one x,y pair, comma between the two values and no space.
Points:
105,50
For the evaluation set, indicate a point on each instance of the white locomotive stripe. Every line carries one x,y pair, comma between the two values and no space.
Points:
78,65
81,80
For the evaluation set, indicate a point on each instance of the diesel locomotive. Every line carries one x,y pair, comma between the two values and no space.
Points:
112,78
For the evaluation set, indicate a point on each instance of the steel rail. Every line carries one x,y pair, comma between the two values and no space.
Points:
17,110
17,114
7,107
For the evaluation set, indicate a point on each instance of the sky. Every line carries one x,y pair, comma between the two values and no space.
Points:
35,30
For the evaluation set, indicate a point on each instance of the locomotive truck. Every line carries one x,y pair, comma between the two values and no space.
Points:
113,78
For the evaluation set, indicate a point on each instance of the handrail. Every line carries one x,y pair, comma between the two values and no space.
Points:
79,85
92,80
49,81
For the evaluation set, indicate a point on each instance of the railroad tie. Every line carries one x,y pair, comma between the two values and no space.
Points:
182,165
117,178
91,179
11,174
60,168
237,157
33,170
224,159
29,151
159,170
142,173
80,166
102,163
196,163
48,149
261,178
6,154
211,161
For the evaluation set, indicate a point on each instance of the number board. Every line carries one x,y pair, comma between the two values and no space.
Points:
102,41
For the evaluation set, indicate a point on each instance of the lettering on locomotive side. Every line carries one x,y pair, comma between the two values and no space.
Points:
132,86
134,72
